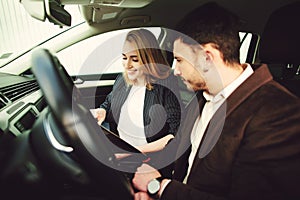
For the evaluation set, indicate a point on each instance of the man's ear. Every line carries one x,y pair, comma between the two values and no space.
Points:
209,57
209,51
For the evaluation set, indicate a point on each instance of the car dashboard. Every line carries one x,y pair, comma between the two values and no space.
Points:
21,101
26,151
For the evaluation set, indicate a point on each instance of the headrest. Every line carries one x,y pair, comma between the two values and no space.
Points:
280,41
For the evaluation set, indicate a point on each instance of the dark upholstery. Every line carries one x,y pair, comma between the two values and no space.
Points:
280,46
280,41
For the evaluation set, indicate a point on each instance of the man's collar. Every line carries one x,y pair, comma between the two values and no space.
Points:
248,71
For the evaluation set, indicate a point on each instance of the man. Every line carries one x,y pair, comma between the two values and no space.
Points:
244,142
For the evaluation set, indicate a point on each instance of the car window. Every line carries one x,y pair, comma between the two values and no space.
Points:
101,55
19,32
245,44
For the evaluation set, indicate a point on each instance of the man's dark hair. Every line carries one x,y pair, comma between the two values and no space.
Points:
211,23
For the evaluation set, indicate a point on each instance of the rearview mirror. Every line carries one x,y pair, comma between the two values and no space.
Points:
56,13
50,9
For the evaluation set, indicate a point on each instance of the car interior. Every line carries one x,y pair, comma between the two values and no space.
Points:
51,147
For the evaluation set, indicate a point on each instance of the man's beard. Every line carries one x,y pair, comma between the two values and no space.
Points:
192,86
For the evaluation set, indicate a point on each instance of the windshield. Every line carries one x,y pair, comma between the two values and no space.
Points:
19,32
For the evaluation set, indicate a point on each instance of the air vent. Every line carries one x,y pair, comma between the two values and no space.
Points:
1,104
17,91
3,101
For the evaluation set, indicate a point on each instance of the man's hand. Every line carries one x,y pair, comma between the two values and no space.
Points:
142,196
143,175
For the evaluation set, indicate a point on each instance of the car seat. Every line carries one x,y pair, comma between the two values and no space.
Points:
279,46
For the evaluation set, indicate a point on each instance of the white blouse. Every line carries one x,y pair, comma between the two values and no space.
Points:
131,122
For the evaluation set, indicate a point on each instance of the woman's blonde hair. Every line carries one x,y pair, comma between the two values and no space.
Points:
155,65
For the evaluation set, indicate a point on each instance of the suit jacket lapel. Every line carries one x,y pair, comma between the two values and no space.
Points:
193,110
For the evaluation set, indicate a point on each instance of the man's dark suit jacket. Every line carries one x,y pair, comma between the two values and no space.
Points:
162,110
251,149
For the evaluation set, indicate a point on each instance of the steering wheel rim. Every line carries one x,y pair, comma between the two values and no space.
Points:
80,129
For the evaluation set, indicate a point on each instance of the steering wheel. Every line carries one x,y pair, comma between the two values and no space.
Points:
78,134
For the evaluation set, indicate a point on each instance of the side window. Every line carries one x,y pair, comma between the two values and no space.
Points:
245,39
99,54
248,47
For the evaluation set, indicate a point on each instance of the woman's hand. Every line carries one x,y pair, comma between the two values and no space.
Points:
156,145
100,115
120,156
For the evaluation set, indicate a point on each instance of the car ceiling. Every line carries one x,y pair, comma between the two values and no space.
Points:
167,13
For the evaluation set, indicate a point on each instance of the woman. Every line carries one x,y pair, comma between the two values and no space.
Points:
141,108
